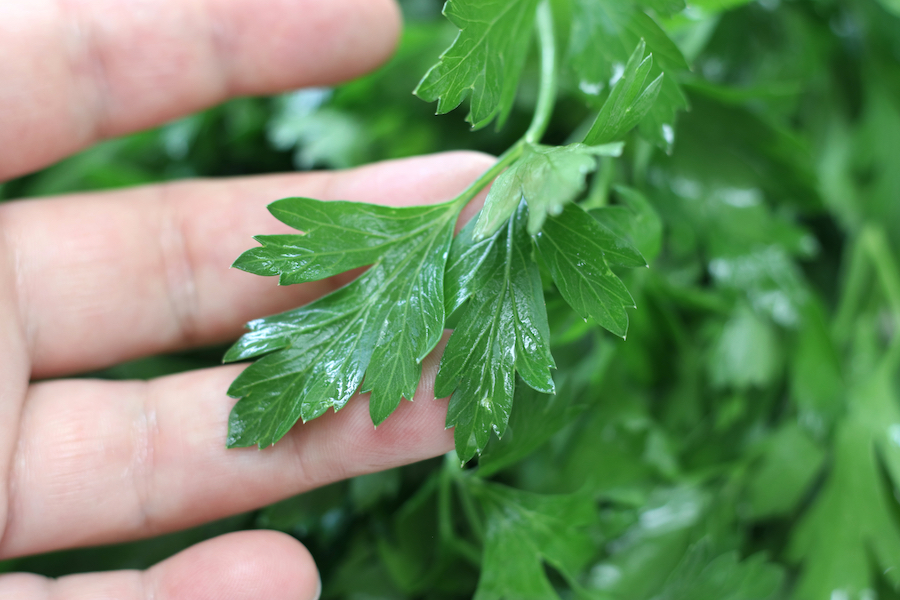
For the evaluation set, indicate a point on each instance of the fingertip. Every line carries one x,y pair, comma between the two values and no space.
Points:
367,31
410,181
362,37
238,566
389,11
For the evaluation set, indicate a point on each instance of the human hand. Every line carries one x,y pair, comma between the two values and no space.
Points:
90,280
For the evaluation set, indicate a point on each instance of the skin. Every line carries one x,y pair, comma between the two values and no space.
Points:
90,280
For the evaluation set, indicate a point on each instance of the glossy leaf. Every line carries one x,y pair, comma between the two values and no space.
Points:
338,236
486,60
547,177
391,317
578,252
503,330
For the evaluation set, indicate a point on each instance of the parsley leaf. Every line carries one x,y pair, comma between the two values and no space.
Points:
502,330
701,576
390,317
578,251
485,61
789,464
604,34
629,101
548,177
523,531
852,523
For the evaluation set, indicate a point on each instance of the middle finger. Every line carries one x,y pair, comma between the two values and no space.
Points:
104,278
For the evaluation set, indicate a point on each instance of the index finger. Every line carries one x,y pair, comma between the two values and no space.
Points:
73,72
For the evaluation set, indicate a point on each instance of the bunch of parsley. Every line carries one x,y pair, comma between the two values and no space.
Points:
742,442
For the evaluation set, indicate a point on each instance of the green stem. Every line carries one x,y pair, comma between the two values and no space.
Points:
469,509
542,112
547,92
870,251
468,551
885,267
445,518
857,269
879,250
505,160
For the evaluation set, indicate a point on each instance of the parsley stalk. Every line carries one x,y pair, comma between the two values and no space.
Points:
542,112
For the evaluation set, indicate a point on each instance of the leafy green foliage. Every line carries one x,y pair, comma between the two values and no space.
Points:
486,60
391,317
503,330
741,444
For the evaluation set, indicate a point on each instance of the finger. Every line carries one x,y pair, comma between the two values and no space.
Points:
103,278
245,565
73,72
99,462
13,368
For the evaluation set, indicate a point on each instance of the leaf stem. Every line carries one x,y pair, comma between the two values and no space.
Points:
858,270
547,92
871,250
885,267
468,506
888,273
542,112
505,160
461,547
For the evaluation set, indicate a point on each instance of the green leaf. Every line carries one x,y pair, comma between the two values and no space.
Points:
604,36
701,576
645,557
629,101
547,177
747,353
853,521
339,236
418,558
817,385
535,418
791,460
523,532
390,318
485,60
503,330
634,219
578,252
